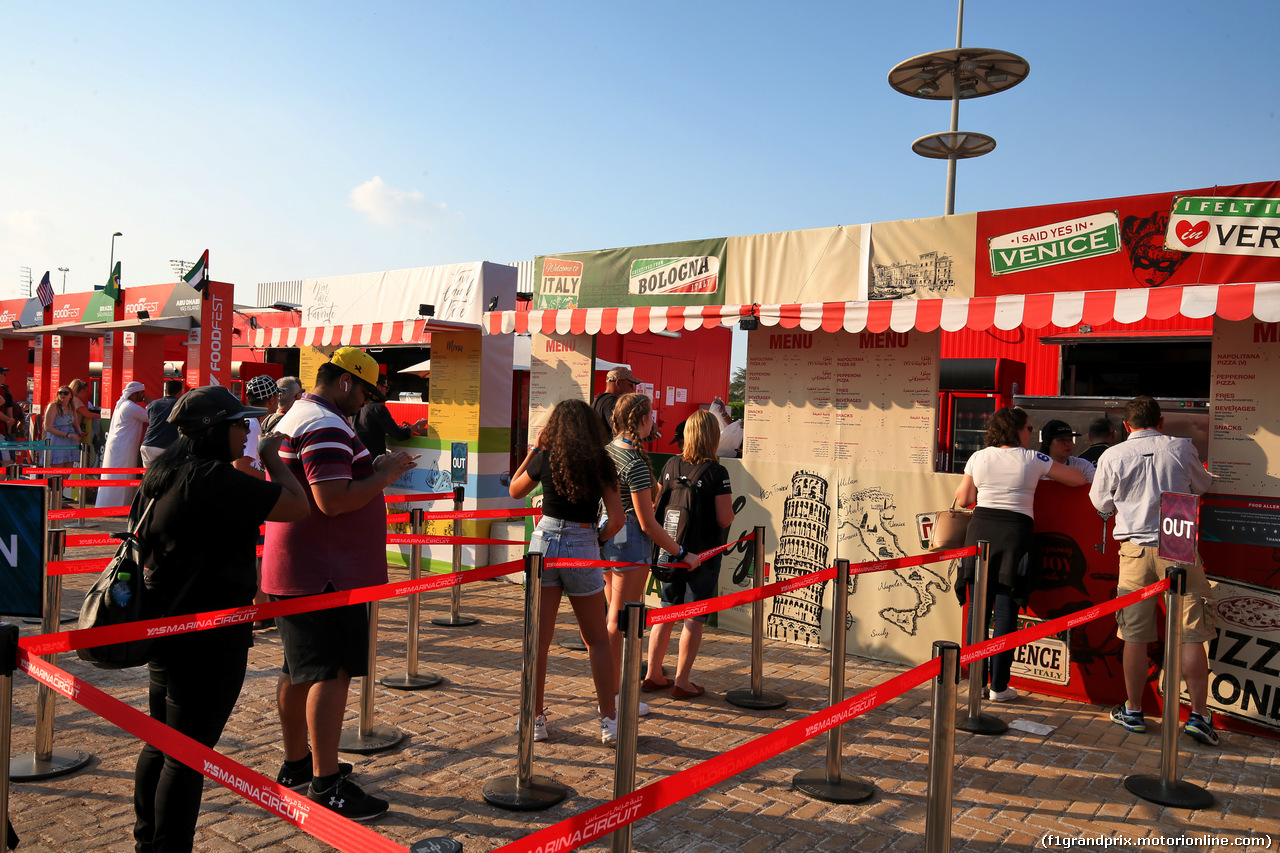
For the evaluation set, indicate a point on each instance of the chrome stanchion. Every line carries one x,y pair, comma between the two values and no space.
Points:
369,737
411,680
46,762
1166,789
826,784
8,663
525,792
977,722
756,697
631,623
942,749
456,620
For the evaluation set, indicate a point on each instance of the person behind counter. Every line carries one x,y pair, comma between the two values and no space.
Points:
1130,478
1102,434
374,423
1057,440
1001,479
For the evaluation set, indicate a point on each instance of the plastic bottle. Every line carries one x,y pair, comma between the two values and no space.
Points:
121,591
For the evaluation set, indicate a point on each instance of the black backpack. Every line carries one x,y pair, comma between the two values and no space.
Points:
685,511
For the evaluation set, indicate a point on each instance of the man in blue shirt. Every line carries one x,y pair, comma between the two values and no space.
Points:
160,433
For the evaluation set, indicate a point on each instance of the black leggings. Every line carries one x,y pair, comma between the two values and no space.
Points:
196,698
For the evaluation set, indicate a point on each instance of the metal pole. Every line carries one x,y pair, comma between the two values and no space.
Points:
524,791
826,784
368,737
942,749
757,698
955,123
411,680
631,622
455,595
8,663
1166,789
977,722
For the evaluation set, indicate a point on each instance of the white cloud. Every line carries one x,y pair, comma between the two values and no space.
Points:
386,205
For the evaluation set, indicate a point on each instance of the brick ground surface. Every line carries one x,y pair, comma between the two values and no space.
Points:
1009,791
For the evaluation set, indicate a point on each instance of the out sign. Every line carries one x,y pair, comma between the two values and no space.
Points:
1179,523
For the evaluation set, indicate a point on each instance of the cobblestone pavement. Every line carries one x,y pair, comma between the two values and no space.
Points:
1010,791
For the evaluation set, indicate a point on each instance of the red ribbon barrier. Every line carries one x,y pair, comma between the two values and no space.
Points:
608,564
431,496
75,567
91,540
62,472
91,484
312,818
423,539
67,641
445,515
90,512
25,482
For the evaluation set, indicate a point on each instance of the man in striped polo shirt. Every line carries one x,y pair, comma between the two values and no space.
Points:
340,546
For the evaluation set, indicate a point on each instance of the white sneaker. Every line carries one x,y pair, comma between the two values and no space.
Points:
617,700
539,727
609,730
1006,695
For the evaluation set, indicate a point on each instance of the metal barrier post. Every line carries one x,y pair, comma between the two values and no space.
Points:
455,597
46,762
826,784
525,792
1167,790
631,622
368,737
8,663
942,749
411,680
756,697
976,722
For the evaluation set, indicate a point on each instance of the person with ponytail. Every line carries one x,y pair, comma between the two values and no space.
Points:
632,426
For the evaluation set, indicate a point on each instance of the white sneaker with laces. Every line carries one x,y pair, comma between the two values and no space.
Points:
1006,695
617,700
609,730
540,728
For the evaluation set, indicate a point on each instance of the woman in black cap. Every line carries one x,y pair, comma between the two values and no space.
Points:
199,528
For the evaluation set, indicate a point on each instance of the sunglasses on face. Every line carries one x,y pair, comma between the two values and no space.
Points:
64,393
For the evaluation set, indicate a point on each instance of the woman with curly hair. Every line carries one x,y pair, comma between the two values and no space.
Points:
632,426
576,473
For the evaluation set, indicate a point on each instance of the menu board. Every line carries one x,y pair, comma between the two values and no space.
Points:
560,368
455,386
1244,449
867,399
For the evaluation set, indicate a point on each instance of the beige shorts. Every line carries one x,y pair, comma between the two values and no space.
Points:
1140,567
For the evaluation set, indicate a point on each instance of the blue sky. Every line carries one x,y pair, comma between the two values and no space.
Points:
303,140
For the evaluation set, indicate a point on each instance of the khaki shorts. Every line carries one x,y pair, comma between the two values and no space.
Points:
1140,567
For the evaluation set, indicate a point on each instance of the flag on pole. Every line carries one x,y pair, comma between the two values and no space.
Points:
113,284
45,292
198,275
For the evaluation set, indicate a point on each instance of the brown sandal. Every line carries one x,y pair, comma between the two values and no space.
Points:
681,693
653,687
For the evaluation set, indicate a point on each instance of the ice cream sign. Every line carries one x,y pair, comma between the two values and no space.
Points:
663,276
1058,243
1225,226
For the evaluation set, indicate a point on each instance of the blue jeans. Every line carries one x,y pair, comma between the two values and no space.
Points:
569,539
1004,612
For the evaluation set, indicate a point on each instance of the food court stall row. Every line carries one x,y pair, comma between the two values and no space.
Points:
850,328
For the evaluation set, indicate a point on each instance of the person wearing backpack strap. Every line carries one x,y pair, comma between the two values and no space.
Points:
712,505
632,426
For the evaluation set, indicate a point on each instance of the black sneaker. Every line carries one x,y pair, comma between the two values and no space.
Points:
347,799
300,779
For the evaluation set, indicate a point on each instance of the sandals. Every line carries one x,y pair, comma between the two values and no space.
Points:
653,687
681,693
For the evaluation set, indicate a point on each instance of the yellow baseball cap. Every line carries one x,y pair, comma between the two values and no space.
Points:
362,366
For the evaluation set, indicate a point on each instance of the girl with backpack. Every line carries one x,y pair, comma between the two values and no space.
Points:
632,426
712,513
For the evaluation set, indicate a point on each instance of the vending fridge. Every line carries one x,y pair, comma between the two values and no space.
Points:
970,391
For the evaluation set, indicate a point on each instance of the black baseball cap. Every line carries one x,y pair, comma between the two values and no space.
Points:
1056,429
208,405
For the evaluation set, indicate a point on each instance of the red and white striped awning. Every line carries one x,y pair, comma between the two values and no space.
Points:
395,333
1032,310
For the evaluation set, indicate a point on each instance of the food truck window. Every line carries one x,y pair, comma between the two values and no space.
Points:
1160,368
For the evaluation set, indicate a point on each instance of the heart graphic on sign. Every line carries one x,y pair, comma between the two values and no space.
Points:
1191,233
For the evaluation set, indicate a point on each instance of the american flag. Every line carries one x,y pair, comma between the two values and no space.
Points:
45,292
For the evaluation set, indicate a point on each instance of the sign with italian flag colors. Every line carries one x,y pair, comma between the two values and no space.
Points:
674,275
1225,226
1056,243
561,281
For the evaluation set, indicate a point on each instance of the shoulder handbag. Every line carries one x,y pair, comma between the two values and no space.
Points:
101,609
949,528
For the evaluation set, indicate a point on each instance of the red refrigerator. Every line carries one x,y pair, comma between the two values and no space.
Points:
969,392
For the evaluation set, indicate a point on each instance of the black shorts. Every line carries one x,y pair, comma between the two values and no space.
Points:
321,643
703,583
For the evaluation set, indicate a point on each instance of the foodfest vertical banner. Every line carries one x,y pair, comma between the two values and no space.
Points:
209,346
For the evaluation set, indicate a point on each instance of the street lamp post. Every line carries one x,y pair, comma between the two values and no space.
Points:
64,271
111,265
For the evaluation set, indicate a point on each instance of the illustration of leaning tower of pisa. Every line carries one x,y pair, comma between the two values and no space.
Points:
802,548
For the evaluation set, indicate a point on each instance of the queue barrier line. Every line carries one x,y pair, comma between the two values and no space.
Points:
76,567
68,472
428,496
675,613
424,539
312,818
90,540
26,482
578,563
69,641
446,515
88,512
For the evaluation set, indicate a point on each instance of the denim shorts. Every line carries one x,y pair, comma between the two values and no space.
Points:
629,545
569,539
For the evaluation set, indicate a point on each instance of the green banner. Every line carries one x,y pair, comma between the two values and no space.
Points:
688,273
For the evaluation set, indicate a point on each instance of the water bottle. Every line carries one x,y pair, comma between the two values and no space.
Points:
120,591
